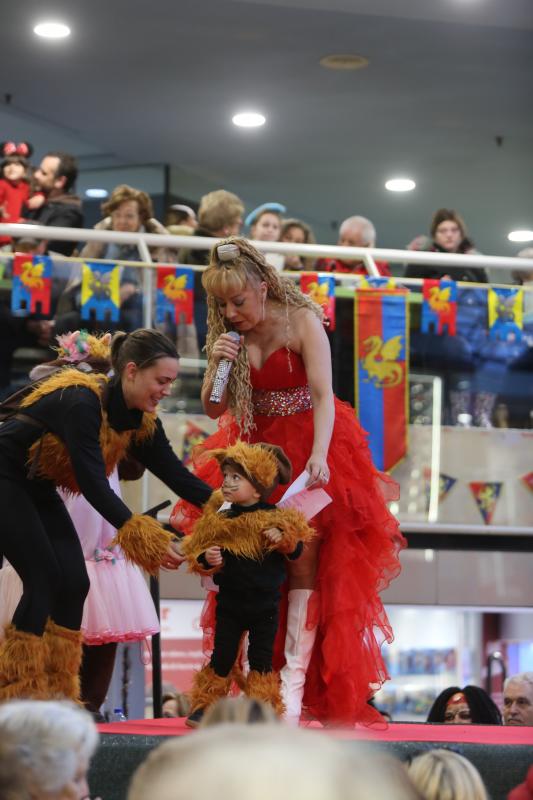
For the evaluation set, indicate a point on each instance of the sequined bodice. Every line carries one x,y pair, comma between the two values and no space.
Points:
280,387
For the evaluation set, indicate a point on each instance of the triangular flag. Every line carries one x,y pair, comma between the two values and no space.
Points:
486,495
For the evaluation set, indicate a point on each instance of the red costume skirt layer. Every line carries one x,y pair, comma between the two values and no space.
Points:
358,558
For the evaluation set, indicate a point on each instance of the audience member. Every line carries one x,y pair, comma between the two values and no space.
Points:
265,226
471,705
220,214
354,232
181,216
447,235
261,762
265,222
127,210
295,231
524,791
444,775
518,699
176,704
45,749
242,710
55,178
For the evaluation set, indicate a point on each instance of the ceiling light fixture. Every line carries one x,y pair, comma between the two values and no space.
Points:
96,193
52,30
400,185
344,61
248,119
521,236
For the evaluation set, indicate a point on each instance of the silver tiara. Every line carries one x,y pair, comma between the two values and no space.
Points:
228,252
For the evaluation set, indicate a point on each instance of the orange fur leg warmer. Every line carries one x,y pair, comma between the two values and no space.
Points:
265,686
62,661
208,687
22,671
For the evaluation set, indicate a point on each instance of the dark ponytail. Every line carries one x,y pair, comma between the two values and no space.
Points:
144,347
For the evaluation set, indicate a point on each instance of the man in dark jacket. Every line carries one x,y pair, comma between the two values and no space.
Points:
55,177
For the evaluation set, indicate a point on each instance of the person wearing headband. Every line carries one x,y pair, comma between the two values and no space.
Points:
280,391
265,226
471,705
69,431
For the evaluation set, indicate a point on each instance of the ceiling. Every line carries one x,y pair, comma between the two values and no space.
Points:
446,99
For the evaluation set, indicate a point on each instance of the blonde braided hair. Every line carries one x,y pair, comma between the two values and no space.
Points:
223,278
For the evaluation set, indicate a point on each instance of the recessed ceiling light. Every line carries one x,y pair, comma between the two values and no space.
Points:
52,30
400,185
248,119
521,236
344,61
96,193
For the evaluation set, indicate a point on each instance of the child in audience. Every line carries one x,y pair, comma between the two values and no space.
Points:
15,188
245,546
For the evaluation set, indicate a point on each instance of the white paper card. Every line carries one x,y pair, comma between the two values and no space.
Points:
308,502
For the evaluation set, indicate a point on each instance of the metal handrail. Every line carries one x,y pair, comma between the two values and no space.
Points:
367,254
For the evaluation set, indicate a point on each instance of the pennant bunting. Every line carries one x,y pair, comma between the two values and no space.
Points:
100,291
446,483
321,289
506,312
528,480
193,436
381,325
439,307
375,282
486,495
175,295
32,284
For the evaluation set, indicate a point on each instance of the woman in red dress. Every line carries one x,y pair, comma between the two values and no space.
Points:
280,391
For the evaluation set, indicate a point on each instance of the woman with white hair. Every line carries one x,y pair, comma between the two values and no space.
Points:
444,775
45,748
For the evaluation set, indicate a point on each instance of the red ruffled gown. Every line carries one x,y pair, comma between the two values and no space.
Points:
360,542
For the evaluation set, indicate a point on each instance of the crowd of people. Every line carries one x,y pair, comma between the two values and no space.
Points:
45,196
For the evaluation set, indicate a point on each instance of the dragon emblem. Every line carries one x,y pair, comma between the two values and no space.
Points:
31,275
439,299
318,292
99,284
380,362
174,287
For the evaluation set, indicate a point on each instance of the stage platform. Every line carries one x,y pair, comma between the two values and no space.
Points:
502,755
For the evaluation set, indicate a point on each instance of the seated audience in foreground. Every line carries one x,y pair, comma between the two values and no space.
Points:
242,710
448,234
353,232
444,775
240,762
518,699
45,748
471,705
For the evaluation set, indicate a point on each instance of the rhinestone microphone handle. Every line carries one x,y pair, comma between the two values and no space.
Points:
222,375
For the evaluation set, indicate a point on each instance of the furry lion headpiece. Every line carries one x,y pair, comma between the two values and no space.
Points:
264,465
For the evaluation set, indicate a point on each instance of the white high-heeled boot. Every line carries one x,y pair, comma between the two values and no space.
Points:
299,643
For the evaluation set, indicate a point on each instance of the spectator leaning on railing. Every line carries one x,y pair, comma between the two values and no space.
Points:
353,232
448,234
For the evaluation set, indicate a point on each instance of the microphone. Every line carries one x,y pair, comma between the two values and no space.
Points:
222,373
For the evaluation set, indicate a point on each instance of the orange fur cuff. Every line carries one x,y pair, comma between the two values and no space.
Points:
144,541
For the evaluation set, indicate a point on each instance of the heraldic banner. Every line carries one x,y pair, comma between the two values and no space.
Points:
381,348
